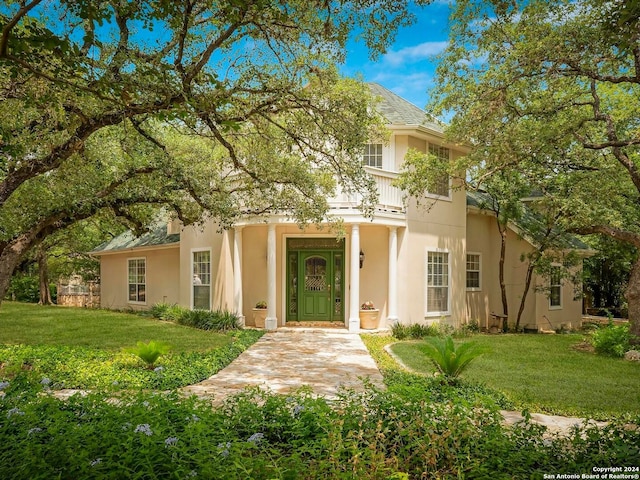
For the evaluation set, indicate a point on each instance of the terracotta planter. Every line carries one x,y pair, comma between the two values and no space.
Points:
259,315
369,319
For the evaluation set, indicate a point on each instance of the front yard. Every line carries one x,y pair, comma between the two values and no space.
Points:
418,428
546,373
84,348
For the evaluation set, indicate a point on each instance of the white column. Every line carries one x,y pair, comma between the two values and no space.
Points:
271,322
392,301
237,274
354,293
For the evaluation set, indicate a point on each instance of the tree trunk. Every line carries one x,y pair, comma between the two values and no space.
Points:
10,257
633,299
527,285
503,287
43,275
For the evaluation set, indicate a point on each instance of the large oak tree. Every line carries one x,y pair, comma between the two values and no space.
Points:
206,108
551,90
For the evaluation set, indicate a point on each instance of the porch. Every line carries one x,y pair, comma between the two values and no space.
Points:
310,276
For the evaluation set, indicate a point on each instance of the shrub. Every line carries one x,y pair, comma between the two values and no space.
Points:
418,331
223,320
399,331
612,340
149,352
371,436
24,288
450,360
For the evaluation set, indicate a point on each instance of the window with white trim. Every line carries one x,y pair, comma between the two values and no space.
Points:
555,287
473,271
201,280
437,282
441,185
372,155
137,280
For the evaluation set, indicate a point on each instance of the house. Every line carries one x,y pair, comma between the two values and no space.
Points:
416,265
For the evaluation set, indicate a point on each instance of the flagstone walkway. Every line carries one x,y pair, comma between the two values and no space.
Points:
324,359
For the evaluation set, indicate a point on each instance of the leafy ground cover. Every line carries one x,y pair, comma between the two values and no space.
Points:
546,373
418,428
375,435
86,349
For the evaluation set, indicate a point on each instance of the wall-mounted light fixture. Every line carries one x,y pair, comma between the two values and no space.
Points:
361,258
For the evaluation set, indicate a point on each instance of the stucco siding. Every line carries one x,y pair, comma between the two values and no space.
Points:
162,278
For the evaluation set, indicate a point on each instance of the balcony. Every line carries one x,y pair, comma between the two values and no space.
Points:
389,197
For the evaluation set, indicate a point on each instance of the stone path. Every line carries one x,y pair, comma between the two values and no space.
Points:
285,360
554,423
324,359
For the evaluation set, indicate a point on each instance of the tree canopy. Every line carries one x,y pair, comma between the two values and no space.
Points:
550,90
220,109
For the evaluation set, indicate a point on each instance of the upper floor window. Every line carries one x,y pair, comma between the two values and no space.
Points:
372,155
441,185
473,271
437,283
555,288
137,280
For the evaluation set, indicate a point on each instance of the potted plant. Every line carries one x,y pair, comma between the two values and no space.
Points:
368,316
260,313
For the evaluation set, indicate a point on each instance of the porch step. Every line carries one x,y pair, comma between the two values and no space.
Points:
316,324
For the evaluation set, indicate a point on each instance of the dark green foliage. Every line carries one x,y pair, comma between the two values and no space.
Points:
219,320
612,340
375,435
419,331
450,360
24,288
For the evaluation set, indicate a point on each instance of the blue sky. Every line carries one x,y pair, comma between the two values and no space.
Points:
408,67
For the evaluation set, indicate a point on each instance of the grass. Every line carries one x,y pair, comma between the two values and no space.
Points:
29,324
546,374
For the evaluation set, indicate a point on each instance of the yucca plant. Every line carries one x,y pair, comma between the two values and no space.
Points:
450,360
149,352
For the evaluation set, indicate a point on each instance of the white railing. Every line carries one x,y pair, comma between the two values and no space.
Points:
389,197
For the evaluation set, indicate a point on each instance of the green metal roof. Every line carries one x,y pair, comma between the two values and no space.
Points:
398,111
481,200
156,236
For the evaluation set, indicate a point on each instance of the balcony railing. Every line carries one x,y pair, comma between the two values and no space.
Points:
389,197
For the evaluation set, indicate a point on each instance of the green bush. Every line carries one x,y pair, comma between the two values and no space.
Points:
24,288
419,331
612,340
372,435
450,360
219,320
149,352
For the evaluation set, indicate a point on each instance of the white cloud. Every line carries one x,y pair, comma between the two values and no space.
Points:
416,53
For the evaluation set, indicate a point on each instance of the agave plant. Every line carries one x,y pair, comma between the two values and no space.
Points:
450,360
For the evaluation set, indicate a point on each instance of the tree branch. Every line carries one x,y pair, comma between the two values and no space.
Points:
6,31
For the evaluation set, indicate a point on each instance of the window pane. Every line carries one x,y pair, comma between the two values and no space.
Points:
202,279
372,155
437,281
441,185
473,270
201,297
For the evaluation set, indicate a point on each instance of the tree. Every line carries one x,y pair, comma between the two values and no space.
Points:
551,89
100,102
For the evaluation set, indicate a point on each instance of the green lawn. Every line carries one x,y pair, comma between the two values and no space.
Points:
545,373
28,324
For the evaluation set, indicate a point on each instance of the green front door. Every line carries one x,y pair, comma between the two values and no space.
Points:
315,280
316,273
